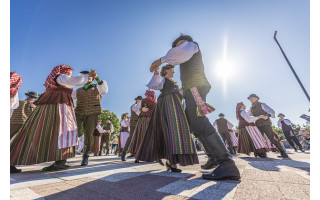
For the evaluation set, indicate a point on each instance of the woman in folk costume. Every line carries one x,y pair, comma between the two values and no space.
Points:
15,83
124,132
168,134
250,138
144,109
50,132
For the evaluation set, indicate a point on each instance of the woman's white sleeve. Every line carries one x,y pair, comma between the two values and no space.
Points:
136,108
156,82
103,88
72,81
247,117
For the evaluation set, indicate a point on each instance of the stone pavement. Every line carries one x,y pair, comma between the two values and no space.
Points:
107,177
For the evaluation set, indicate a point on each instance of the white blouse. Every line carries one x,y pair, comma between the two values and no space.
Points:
100,129
266,108
125,123
72,81
14,103
286,121
136,107
247,117
156,82
180,54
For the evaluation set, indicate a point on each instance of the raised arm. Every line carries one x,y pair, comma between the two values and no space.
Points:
247,117
72,81
269,110
156,82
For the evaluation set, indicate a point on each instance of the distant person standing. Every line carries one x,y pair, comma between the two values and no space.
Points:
124,132
265,125
285,125
21,114
223,126
97,134
81,144
105,138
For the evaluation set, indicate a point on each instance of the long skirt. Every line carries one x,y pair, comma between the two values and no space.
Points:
95,148
123,139
168,135
37,141
251,140
138,134
234,140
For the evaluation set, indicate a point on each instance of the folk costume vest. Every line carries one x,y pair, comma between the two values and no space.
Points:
192,73
88,101
20,115
256,110
107,128
286,128
222,125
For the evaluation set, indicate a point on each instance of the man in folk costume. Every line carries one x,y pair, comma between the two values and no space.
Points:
50,132
285,125
20,115
133,123
15,83
265,125
186,53
97,134
88,108
105,138
224,126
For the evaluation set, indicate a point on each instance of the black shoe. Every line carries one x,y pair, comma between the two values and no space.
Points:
169,168
132,155
261,155
85,156
211,163
99,154
13,169
302,150
57,165
295,149
136,161
225,171
95,154
284,155
123,156
160,162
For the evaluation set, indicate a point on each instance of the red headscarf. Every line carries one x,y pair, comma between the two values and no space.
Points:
60,69
239,105
15,83
151,95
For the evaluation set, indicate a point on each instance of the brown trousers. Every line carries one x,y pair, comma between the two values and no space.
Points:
14,128
89,125
105,138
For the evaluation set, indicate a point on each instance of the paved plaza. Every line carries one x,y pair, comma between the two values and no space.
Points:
106,177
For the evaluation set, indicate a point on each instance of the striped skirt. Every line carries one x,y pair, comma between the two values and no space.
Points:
95,147
251,140
138,134
234,140
37,140
168,135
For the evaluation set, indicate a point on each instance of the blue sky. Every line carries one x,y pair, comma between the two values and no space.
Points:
120,39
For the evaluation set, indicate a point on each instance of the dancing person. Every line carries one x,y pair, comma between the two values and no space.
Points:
80,144
124,133
265,125
44,136
21,114
88,108
250,138
97,135
15,83
105,138
168,135
133,123
144,110
285,125
224,126
186,53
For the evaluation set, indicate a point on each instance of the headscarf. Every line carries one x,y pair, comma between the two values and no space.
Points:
151,95
60,69
15,83
239,105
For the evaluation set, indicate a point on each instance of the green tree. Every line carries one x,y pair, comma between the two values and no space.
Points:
278,132
106,114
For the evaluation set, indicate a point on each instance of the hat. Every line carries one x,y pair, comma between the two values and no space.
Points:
221,114
108,118
32,94
281,114
138,97
253,95
182,37
84,72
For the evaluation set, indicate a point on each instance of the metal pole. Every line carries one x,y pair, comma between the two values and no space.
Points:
301,85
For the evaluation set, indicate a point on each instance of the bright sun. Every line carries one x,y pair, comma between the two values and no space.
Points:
225,69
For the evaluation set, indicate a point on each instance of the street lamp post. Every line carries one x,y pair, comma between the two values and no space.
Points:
301,85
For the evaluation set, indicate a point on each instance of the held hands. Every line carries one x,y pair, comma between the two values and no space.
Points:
93,74
263,117
155,65
144,109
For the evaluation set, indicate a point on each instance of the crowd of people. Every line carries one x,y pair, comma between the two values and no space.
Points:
46,129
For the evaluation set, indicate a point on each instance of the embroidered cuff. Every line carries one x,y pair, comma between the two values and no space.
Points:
99,81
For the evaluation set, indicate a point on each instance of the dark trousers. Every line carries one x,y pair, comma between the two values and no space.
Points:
14,128
270,134
226,136
105,138
292,140
198,125
89,125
